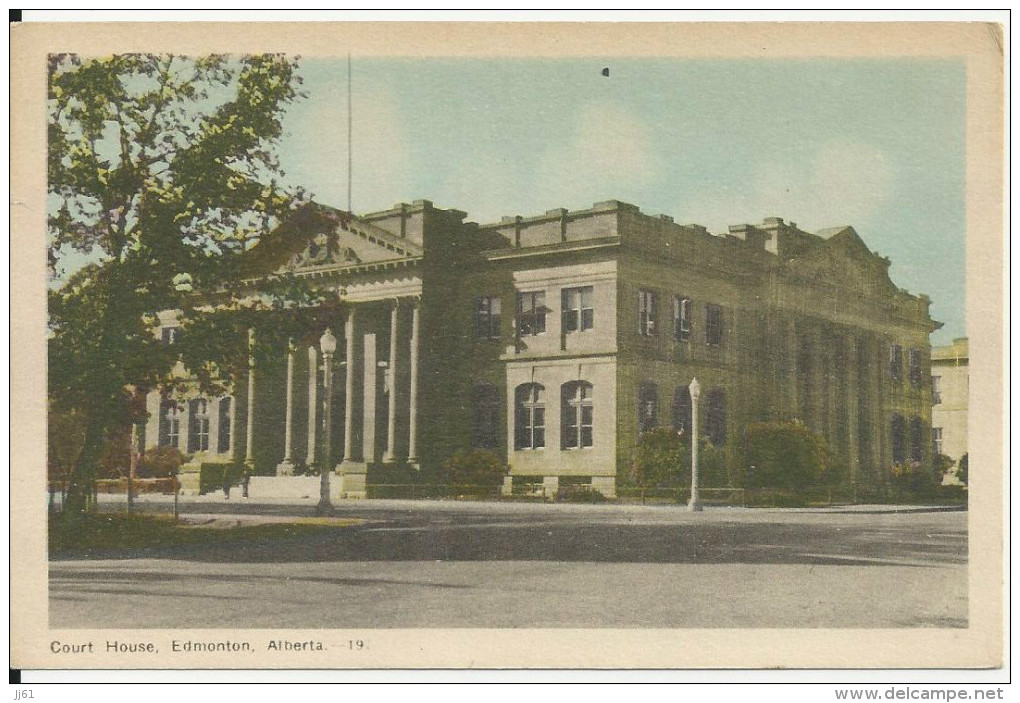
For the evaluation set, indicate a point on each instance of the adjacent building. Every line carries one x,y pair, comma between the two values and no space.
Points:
950,382
555,340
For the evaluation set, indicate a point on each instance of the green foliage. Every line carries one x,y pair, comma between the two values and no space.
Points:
961,469
784,455
477,467
916,477
213,477
161,177
663,459
160,462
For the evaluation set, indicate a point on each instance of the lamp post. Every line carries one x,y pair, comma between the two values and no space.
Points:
328,345
694,504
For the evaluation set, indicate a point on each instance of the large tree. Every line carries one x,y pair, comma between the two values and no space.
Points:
161,175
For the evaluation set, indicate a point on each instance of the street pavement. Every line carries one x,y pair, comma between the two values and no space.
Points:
467,564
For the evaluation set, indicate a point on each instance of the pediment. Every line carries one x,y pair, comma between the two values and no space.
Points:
843,257
322,238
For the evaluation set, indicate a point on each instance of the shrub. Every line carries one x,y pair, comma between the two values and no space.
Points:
961,469
915,477
160,462
213,476
663,460
784,455
477,467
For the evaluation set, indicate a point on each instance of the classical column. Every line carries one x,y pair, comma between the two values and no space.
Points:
286,467
412,446
233,428
313,392
852,388
391,386
249,447
349,388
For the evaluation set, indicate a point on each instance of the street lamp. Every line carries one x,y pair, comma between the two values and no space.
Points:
694,504
328,345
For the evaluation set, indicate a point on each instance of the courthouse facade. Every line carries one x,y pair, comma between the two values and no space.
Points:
555,340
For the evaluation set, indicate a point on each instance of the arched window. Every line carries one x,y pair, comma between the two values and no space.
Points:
648,406
484,416
223,440
169,424
682,411
198,428
529,416
577,411
715,416
916,443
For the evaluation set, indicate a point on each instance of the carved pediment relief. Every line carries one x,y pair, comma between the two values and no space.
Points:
325,249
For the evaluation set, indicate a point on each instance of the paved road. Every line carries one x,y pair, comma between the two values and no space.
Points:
449,564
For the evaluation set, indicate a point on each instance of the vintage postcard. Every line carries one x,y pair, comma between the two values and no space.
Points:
488,345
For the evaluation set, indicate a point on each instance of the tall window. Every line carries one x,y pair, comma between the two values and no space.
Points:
484,416
914,362
531,313
899,454
577,409
648,312
936,440
487,317
896,362
578,313
936,390
529,416
682,411
715,416
682,309
223,439
170,335
916,440
198,429
713,324
169,424
648,407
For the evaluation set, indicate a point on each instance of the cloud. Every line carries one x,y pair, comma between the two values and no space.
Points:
840,182
609,153
315,151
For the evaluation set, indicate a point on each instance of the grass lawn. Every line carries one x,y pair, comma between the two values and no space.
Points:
114,531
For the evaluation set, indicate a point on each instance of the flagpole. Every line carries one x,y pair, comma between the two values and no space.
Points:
350,140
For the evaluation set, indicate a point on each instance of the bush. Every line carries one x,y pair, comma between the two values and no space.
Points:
961,469
477,467
915,477
784,455
579,494
160,462
212,477
663,460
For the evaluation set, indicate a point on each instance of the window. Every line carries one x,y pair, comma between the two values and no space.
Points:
936,440
529,417
170,335
577,410
916,440
682,411
484,416
914,363
681,318
169,424
531,313
198,428
487,317
713,324
936,390
896,362
648,312
648,407
578,313
715,416
896,427
223,440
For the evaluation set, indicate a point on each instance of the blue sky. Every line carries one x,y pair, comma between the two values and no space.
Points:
877,144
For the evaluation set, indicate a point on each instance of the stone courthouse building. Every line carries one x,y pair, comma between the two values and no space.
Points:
555,340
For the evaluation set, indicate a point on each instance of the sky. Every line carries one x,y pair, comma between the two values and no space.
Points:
874,143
